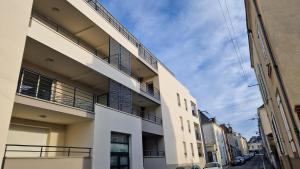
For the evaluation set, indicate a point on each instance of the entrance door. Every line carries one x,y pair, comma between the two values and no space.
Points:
119,161
119,156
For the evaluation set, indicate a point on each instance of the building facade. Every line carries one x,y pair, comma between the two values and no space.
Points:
236,143
255,145
274,51
269,147
215,141
79,91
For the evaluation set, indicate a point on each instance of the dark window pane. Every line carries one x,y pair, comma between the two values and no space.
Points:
45,86
124,160
114,161
29,83
119,147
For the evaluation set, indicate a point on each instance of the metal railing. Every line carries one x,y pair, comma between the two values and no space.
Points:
148,117
39,86
151,91
143,52
17,150
150,153
68,35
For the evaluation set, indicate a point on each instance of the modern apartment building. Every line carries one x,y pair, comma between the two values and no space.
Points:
79,91
215,141
273,33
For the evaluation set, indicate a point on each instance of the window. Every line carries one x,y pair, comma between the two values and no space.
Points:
200,149
178,99
189,126
192,149
197,132
185,103
119,151
277,136
184,148
262,41
261,82
181,123
194,111
286,125
33,84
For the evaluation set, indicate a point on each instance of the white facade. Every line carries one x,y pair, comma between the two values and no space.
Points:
65,95
216,145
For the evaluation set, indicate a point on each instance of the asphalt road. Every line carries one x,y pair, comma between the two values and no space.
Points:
257,162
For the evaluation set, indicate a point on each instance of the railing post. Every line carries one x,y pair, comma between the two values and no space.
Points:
90,151
74,96
41,151
4,158
69,150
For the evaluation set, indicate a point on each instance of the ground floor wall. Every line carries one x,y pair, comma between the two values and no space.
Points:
48,163
109,120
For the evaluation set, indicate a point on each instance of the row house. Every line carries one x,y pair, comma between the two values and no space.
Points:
273,34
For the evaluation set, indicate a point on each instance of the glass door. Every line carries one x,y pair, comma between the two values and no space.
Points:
119,158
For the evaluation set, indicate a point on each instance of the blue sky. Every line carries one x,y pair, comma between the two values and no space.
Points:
191,38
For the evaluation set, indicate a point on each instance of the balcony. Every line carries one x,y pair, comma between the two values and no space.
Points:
47,157
152,92
39,86
148,117
143,52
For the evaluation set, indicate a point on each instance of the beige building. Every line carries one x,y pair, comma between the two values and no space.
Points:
216,146
269,147
78,91
273,32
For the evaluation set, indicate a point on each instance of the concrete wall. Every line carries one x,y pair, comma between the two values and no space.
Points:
80,134
48,163
53,135
174,136
150,127
155,162
13,35
109,120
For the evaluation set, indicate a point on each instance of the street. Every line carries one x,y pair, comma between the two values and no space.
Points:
257,162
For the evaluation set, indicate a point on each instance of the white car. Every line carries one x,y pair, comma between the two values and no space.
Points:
213,165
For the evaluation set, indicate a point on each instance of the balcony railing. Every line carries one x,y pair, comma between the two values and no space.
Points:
143,52
150,153
148,117
59,29
39,86
152,91
17,150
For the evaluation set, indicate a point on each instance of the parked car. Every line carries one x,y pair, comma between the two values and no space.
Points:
213,165
189,167
247,157
239,160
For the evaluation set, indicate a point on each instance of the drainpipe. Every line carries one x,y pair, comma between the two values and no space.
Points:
277,72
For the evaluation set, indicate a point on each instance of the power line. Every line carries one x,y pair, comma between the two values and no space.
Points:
234,32
233,44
